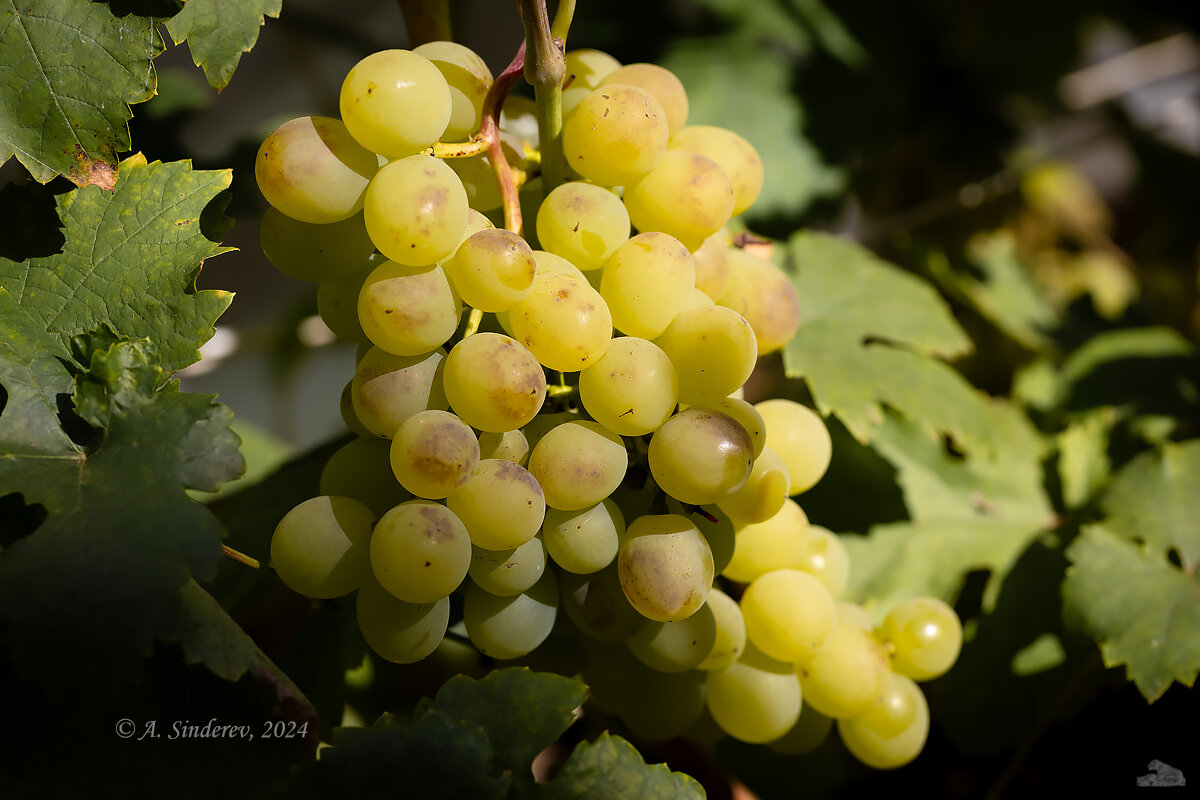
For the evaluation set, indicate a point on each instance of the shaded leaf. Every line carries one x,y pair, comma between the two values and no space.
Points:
1156,498
1083,464
219,31
1144,370
611,769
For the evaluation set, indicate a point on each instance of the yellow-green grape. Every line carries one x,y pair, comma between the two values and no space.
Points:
660,705
700,456
615,135
809,732
549,262
697,299
320,547
632,389
395,102
337,302
469,79
737,157
665,566
686,195
518,118
388,389
315,253
923,637
416,210
544,423
512,626
764,492
501,505
712,265
765,296
564,322
746,415
492,270
578,464
478,180
346,406
789,614
780,542
718,529
493,382
312,170
730,639
756,699
855,615
587,67
408,310
848,675
675,646
826,559
893,731
659,82
646,282
798,434
509,445
508,572
597,605
420,551
434,453
713,350
584,540
400,632
583,223
362,469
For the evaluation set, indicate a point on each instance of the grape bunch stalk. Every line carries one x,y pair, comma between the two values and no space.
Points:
550,417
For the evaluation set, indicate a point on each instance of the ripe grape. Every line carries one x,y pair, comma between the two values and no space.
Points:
315,253
765,296
416,210
319,548
586,67
492,270
665,566
583,223
468,78
700,456
395,102
362,469
646,282
789,614
893,731
686,195
493,382
510,627
799,435
923,636
848,675
408,310
712,265
661,83
434,453
564,322
736,156
713,350
764,492
509,445
584,540
730,639
826,559
420,551
399,631
615,135
756,699
388,389
632,389
578,464
501,505
675,646
310,169
508,572
780,542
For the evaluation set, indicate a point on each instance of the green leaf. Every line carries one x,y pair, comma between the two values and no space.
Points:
1083,464
611,769
219,31
1142,370
1156,498
68,71
1144,610
130,262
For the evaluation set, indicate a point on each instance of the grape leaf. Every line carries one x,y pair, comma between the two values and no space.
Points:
130,261
1146,370
611,769
1156,498
69,70
219,31
1144,610
1083,464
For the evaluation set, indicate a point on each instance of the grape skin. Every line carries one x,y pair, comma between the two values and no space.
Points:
924,637
310,169
420,551
615,135
493,382
398,631
395,102
700,456
415,209
319,548
665,566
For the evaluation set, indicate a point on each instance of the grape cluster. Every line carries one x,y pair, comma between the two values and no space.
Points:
632,503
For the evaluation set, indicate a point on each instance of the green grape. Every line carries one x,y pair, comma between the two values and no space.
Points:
416,210
697,299
764,492
737,157
730,638
854,614
780,542
543,423
434,453
518,119
315,253
578,464
675,646
398,631
661,83
746,415
686,195
510,627
508,572
387,389
509,445
469,79
395,102
848,675
665,566
597,605
420,551
476,222
755,699
893,732
346,406
584,540
809,732
712,265
337,302
310,169
923,637
632,389
492,270
826,559
646,282
713,350
700,456
658,706
799,435
587,67
764,295
408,310
549,262
615,135
583,223
493,382
789,614
320,547
718,530
501,505
564,322
361,469
478,180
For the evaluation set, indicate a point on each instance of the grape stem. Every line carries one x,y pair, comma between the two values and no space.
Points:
473,321
474,146
545,72
241,558
489,131
426,21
